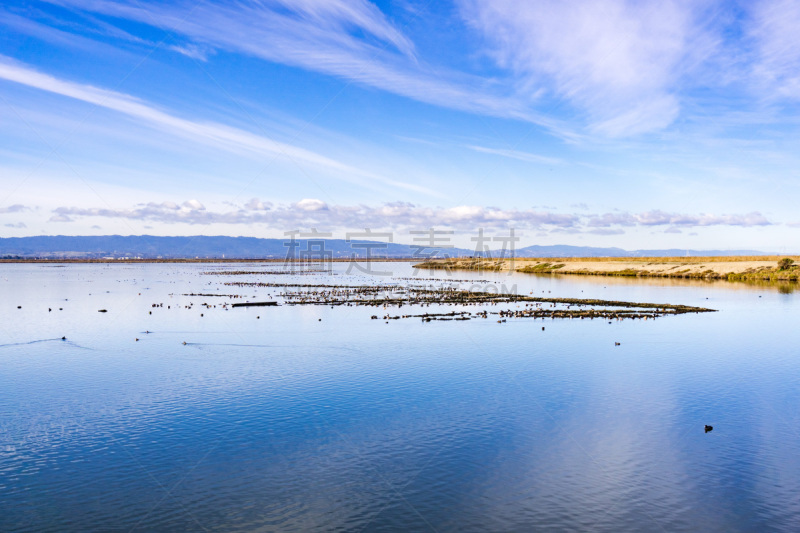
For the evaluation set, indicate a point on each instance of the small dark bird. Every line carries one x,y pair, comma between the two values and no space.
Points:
617,343
184,343
63,338
542,328
709,428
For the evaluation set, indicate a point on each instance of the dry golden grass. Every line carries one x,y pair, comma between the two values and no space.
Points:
697,259
719,267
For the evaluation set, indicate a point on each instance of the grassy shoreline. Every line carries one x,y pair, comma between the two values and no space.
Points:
751,268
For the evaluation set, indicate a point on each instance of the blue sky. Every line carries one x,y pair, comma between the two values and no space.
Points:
602,123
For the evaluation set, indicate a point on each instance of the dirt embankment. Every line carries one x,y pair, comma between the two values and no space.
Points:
730,268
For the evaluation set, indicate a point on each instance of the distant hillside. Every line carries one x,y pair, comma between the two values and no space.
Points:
151,247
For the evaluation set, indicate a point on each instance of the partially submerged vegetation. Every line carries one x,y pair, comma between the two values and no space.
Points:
398,296
761,268
271,272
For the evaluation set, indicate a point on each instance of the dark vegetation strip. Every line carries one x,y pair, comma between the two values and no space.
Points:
216,295
399,296
262,272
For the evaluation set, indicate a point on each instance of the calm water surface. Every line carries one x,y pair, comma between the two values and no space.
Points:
312,418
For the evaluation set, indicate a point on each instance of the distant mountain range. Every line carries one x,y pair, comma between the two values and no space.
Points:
203,247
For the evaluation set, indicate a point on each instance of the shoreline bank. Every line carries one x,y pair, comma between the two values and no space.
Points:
756,268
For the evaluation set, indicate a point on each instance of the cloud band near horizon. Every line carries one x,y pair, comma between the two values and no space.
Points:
396,215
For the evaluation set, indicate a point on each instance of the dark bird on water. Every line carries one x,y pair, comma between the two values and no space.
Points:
709,428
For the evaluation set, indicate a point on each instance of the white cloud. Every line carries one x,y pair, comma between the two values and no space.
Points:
657,218
254,204
309,212
18,225
397,215
16,208
193,205
661,218
606,231
612,219
311,204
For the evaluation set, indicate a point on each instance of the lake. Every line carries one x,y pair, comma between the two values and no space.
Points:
320,418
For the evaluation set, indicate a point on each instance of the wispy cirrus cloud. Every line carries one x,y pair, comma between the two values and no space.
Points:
516,154
618,61
774,31
625,67
191,50
324,23
352,40
217,135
